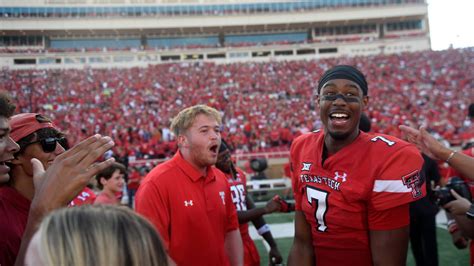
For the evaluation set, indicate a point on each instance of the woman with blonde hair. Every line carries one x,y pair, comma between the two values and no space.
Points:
96,235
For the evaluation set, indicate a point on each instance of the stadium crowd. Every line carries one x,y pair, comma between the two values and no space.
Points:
265,105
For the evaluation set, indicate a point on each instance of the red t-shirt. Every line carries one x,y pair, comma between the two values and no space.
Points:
103,198
14,210
192,213
346,196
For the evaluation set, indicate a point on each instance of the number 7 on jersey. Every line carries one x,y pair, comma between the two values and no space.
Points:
320,198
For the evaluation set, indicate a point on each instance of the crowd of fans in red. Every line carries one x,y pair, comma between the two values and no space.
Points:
264,104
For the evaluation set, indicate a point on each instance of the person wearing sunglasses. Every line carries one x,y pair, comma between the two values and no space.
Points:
38,138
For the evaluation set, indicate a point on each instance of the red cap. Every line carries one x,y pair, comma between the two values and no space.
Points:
24,124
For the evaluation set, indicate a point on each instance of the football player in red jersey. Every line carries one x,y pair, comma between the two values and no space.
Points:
246,210
352,189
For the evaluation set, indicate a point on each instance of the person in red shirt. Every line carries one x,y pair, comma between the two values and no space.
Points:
188,200
12,205
134,179
38,138
352,189
110,181
246,210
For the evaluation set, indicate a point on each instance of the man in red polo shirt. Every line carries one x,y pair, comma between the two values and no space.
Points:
188,200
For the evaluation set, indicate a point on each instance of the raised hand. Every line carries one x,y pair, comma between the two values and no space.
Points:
69,173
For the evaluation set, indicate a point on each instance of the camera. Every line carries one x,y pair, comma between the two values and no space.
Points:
443,195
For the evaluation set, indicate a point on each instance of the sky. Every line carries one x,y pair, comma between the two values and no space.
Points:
451,22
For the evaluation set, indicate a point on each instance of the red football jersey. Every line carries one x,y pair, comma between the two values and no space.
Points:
238,191
86,196
342,196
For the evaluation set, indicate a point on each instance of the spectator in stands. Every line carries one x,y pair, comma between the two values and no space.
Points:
247,211
111,182
38,138
96,235
257,98
8,147
134,180
343,179
189,201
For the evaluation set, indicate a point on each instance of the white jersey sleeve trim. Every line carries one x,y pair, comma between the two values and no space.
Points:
395,186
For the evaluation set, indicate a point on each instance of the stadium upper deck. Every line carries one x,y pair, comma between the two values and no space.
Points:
124,8
71,33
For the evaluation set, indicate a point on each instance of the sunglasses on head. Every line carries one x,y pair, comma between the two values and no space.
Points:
49,144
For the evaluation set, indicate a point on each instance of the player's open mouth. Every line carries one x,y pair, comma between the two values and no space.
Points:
214,148
6,161
339,118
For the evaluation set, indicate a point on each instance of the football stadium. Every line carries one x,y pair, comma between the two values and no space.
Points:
126,68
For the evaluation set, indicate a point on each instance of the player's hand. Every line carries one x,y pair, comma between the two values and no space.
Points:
68,174
459,240
284,205
459,206
272,206
274,256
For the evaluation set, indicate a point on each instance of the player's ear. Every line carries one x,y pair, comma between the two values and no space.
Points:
318,99
182,141
365,100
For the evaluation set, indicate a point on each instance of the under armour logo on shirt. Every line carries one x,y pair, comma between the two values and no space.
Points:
306,166
188,203
342,176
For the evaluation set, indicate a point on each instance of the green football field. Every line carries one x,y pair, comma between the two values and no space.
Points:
448,254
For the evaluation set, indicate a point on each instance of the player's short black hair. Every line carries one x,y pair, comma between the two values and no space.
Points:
7,108
224,146
364,123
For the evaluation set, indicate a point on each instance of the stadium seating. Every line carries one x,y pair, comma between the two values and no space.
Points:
265,105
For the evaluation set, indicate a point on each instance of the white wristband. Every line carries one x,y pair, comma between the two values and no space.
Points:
263,229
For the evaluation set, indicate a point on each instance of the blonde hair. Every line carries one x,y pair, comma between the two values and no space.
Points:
93,235
184,120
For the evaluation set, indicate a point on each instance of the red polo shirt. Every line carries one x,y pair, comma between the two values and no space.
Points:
192,213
